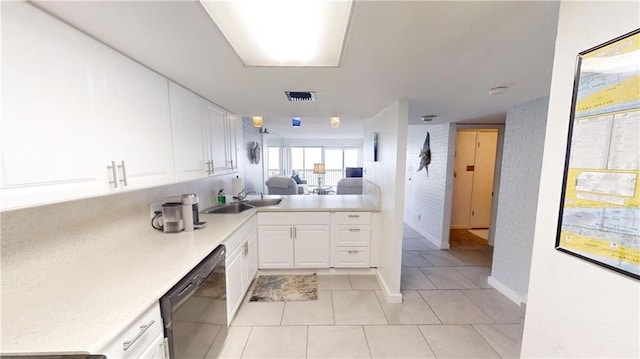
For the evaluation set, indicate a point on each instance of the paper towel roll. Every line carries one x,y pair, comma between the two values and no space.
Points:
236,186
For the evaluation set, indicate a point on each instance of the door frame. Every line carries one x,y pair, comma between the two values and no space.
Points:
496,174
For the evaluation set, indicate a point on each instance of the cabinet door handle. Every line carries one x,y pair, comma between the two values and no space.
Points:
124,173
291,232
353,216
354,252
143,328
295,232
114,173
354,229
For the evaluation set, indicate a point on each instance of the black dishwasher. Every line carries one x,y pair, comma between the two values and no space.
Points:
194,311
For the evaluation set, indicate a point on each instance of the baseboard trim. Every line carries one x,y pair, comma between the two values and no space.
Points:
437,243
513,296
432,240
460,226
390,297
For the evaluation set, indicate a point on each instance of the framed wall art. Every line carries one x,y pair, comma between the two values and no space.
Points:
599,217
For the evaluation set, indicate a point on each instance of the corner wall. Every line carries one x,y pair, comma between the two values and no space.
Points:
576,308
519,184
388,173
253,173
427,207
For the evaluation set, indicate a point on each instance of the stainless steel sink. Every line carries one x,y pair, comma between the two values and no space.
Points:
235,207
264,202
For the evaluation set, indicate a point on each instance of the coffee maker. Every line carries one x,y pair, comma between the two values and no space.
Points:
190,212
172,221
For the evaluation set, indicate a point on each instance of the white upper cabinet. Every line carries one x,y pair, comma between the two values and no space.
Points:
203,136
190,140
217,126
234,136
80,119
53,121
139,123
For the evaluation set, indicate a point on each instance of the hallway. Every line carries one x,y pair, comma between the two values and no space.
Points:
448,311
453,284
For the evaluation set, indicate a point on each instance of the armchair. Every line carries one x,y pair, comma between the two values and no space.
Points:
349,186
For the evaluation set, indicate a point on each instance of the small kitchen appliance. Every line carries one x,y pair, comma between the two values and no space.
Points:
191,212
172,217
204,286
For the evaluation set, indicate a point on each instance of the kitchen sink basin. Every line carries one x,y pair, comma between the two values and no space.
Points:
264,202
235,207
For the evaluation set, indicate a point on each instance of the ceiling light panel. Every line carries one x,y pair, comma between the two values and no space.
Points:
283,32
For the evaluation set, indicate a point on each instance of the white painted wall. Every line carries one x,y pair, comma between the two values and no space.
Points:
519,185
575,308
428,198
388,173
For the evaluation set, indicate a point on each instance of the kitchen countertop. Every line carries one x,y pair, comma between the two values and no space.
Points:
80,295
316,203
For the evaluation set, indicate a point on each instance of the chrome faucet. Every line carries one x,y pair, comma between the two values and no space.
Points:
243,194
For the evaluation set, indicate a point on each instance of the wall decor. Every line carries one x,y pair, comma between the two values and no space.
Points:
425,155
599,217
255,152
374,138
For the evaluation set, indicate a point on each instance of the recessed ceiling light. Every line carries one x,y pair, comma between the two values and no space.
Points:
427,118
335,122
283,32
498,90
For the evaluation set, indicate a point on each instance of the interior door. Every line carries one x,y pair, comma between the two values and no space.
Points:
482,195
463,178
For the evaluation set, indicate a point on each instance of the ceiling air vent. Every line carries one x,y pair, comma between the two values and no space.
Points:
301,96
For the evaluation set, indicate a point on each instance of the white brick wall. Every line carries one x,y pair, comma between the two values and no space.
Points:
426,208
518,200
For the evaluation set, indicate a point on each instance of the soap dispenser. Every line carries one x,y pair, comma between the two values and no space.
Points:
222,199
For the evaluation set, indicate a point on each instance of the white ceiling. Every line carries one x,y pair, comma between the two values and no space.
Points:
441,56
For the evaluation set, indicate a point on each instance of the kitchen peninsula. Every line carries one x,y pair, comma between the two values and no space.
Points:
74,289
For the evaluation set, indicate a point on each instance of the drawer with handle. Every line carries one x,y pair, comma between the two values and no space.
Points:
352,217
137,336
353,235
351,257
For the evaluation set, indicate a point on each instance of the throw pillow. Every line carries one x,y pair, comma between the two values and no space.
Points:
296,178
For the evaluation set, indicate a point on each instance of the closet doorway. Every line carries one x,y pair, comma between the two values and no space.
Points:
475,161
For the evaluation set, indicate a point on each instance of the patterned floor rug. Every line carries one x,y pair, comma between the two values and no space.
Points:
282,288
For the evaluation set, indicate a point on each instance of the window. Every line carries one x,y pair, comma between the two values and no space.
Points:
273,161
334,159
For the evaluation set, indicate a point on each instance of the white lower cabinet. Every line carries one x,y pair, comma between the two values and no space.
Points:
156,349
241,265
351,246
275,246
294,240
139,338
311,246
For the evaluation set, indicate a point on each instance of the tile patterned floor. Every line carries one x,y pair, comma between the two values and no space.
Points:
448,311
